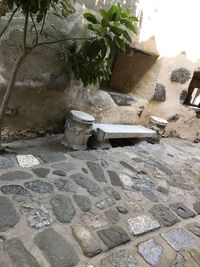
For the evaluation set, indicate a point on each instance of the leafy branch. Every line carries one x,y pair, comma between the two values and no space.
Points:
90,57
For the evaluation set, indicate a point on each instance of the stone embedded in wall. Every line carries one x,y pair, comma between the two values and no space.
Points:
181,75
122,99
174,118
160,93
183,96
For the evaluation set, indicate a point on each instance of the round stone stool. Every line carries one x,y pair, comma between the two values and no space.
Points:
78,128
157,124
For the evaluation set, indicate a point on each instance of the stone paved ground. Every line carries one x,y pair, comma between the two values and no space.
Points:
123,207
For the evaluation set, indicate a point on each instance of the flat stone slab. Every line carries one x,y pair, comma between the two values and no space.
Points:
14,189
83,202
52,157
112,216
194,228
113,237
5,163
65,185
57,251
128,166
122,258
41,172
114,178
127,181
89,245
94,221
63,208
83,155
26,161
179,239
8,214
112,131
196,207
112,193
122,210
16,175
37,215
151,252
150,195
164,215
182,211
133,206
142,224
19,254
64,166
59,173
91,186
105,203
179,261
97,171
39,186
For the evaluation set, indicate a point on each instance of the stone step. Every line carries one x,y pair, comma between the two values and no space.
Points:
112,131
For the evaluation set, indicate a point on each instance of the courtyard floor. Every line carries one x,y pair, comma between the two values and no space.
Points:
123,207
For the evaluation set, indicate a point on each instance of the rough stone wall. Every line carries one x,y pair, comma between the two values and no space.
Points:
35,106
164,84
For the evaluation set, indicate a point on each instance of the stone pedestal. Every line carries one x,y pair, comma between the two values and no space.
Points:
78,128
158,125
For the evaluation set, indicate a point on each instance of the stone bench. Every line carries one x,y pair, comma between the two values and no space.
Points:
104,132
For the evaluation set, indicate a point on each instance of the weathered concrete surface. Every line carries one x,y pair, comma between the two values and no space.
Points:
66,228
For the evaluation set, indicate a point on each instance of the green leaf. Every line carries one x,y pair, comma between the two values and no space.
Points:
91,18
113,13
104,23
103,47
120,44
116,30
78,46
127,12
133,18
94,49
103,13
92,28
129,24
127,36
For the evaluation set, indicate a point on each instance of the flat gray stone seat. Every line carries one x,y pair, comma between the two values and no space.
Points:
112,131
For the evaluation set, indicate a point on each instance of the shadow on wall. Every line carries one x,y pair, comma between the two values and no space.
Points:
130,68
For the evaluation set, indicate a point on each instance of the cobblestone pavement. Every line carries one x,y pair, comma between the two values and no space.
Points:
123,207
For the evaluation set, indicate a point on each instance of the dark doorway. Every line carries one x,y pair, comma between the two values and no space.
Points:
193,96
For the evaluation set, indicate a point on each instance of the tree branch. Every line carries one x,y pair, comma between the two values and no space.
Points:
68,39
9,21
43,23
25,28
36,31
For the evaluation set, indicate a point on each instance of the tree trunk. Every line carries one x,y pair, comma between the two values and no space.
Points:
10,86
